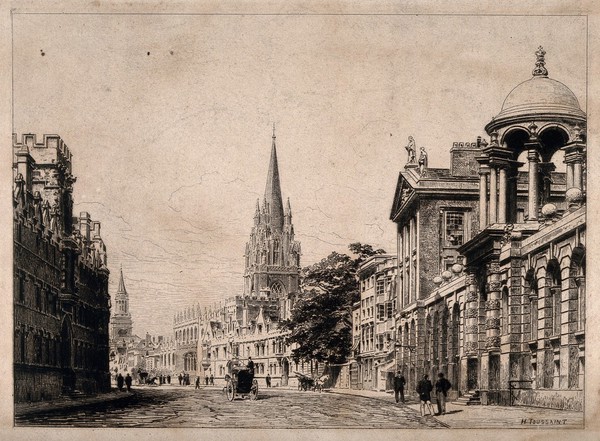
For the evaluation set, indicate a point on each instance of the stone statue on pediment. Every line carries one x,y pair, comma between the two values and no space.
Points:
411,148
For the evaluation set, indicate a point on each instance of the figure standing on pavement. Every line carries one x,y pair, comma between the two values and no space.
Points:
180,379
399,383
268,380
442,386
424,389
198,382
120,381
128,382
212,380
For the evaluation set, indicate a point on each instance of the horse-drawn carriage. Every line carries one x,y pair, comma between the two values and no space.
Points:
240,381
306,382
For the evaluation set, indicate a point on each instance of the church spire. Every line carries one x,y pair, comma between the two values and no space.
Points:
273,190
121,289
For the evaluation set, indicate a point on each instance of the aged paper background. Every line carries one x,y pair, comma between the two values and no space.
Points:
294,9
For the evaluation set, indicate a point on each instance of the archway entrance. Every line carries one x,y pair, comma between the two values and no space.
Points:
66,358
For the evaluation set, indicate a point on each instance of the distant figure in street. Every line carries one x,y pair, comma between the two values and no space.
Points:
198,382
120,381
128,380
399,383
180,379
212,380
206,380
169,379
250,365
424,389
442,386
268,380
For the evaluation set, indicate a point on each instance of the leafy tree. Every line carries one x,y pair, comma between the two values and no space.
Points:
321,319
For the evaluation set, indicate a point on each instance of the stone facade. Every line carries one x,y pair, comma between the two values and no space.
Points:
508,318
61,300
374,350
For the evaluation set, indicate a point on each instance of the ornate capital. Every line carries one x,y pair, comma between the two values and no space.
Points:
471,329
492,342
492,323
494,286
472,313
493,304
493,268
471,296
471,346
471,279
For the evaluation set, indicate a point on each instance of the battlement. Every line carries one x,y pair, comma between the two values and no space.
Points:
51,150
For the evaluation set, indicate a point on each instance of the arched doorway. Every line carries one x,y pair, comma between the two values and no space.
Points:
66,356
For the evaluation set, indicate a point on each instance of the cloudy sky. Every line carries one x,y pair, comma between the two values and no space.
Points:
169,121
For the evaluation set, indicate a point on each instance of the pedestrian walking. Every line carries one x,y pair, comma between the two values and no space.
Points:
120,381
442,386
212,380
198,382
206,380
128,380
399,383
268,380
180,379
424,389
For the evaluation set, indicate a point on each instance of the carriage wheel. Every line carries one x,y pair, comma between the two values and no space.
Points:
254,390
230,390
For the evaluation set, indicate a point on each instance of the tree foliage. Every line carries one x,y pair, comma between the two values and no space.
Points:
321,319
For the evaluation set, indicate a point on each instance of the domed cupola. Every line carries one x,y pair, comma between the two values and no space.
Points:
538,98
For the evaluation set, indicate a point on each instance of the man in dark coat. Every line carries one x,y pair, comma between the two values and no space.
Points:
424,389
250,365
120,381
128,382
442,386
399,383
268,380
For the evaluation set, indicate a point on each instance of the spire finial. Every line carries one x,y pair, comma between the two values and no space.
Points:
273,130
540,63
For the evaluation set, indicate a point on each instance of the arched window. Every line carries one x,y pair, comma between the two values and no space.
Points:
577,286
505,310
553,283
277,290
531,288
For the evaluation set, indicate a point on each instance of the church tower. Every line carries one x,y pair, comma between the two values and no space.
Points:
121,324
272,257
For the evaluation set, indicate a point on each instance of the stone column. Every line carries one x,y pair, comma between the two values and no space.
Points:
502,196
492,307
493,196
483,204
471,314
569,176
577,182
533,158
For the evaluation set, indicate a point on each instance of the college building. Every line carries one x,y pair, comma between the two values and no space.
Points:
61,304
490,284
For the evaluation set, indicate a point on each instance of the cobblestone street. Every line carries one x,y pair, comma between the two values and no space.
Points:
274,408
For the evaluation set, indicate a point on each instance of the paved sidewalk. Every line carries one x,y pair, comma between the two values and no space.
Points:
481,417
66,402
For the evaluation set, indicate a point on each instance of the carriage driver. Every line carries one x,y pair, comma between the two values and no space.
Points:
250,365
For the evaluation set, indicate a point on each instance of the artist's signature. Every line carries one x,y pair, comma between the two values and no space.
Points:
543,421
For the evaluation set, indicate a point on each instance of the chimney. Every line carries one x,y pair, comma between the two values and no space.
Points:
462,158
